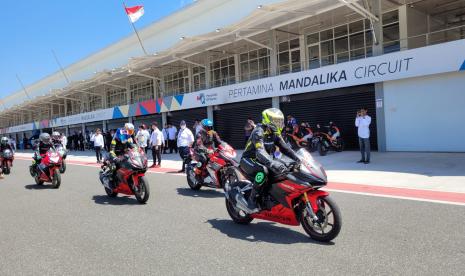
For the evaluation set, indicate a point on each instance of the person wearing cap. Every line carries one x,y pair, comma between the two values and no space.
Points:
185,141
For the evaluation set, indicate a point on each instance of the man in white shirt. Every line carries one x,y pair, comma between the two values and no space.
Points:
172,130
362,122
142,137
156,142
99,144
185,141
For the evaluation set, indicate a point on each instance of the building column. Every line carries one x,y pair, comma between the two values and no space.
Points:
237,68
67,131
379,86
273,63
128,93
403,30
191,79
164,119
83,128
303,52
104,126
210,112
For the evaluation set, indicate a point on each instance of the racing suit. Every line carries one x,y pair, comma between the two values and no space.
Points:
334,132
122,140
40,149
4,147
204,141
257,161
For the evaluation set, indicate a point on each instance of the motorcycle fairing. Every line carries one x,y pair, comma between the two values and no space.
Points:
279,214
286,191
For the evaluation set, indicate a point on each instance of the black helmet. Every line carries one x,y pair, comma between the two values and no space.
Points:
45,138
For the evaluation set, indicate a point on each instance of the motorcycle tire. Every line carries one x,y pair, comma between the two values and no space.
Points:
32,171
340,145
38,181
322,150
309,227
191,178
63,167
6,169
236,215
110,193
143,193
56,179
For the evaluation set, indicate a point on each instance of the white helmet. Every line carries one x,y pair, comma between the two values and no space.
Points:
129,128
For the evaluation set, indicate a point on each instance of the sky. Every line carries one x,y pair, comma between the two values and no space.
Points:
74,29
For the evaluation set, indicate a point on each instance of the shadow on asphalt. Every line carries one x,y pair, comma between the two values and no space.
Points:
38,187
122,200
262,232
203,193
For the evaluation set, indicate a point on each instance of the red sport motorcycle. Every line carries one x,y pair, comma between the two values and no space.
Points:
6,159
213,172
292,198
48,170
130,176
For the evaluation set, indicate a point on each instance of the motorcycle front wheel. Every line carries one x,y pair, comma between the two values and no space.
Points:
329,221
142,192
322,149
63,166
110,192
38,180
238,216
192,181
56,180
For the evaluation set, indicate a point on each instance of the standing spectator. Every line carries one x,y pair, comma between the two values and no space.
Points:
165,138
13,143
156,141
172,130
98,145
81,141
108,139
290,123
197,126
249,126
64,140
75,141
362,122
25,142
142,137
185,140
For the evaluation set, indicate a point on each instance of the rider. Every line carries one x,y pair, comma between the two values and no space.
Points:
257,160
4,144
122,140
333,131
56,138
41,148
205,142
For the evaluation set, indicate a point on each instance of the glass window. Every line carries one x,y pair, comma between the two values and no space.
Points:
284,46
357,41
356,27
342,45
391,17
340,31
222,72
327,48
325,35
313,38
294,44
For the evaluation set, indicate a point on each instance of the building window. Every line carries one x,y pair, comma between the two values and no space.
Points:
289,56
198,78
116,97
141,91
350,41
176,83
222,72
255,64
95,102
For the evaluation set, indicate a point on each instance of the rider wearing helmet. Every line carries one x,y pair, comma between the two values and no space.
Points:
206,140
41,147
4,144
56,137
333,131
123,139
257,160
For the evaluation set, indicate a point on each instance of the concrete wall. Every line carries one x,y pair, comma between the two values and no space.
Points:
426,113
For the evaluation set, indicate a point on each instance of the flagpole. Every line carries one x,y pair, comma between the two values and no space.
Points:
61,67
22,85
135,30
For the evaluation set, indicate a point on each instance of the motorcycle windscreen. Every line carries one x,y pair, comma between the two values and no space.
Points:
311,166
53,156
136,158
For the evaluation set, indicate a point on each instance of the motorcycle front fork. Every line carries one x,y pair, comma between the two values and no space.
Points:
308,207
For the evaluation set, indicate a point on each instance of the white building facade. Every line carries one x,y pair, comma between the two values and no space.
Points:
317,60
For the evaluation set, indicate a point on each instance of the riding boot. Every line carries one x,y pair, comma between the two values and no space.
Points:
252,201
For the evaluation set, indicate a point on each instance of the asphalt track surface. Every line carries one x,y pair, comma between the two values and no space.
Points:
78,230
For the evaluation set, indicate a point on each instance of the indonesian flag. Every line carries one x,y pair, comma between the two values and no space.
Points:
134,13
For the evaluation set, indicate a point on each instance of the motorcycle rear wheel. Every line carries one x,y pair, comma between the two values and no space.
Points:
56,180
143,192
6,169
317,230
193,183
